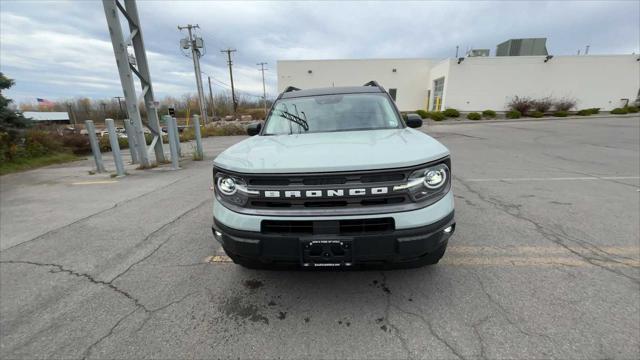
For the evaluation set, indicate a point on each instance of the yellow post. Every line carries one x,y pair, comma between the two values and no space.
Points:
437,103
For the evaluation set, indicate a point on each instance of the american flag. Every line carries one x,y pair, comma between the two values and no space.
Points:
44,102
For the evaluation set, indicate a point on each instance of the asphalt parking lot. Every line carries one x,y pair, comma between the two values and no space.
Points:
545,262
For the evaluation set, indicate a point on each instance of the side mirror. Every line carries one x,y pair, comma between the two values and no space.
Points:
254,129
414,120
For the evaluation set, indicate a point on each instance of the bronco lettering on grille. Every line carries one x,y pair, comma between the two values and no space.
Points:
326,193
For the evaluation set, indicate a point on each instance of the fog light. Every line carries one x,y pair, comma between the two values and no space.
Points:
218,233
448,230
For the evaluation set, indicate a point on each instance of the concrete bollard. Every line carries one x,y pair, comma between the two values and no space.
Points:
196,130
173,146
131,138
177,135
95,148
115,147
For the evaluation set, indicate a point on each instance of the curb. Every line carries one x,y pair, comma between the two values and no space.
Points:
430,122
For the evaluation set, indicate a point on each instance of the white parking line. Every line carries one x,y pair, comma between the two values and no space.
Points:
558,178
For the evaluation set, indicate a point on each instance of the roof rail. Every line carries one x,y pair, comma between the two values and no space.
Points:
290,88
375,83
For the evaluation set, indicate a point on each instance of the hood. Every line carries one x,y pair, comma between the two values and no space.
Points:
331,151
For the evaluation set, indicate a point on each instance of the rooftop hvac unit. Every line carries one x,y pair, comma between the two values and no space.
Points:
478,52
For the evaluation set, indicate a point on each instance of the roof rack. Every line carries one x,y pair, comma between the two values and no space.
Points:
375,83
291,88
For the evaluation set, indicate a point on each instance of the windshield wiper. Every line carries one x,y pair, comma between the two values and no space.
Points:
295,119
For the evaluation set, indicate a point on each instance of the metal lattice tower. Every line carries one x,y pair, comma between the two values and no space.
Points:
139,67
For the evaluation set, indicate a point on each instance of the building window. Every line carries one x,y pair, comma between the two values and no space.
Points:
393,93
438,91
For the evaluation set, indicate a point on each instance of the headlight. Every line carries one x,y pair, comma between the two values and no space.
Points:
231,188
427,183
227,185
434,179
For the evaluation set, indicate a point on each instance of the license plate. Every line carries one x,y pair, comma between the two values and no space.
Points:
326,253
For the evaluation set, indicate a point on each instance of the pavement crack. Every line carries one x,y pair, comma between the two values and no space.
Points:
152,312
61,269
598,259
504,312
475,326
431,330
100,212
396,332
87,351
153,233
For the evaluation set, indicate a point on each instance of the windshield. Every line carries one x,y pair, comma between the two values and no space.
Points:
327,113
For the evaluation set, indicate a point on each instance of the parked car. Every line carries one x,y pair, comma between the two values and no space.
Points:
334,178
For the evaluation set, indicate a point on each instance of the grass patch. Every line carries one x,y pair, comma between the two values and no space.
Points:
22,164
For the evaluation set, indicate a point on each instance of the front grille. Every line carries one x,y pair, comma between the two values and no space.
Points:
341,180
337,227
352,202
286,227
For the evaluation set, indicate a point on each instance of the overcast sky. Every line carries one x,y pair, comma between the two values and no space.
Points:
61,49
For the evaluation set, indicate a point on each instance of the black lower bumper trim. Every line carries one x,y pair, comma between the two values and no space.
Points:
392,246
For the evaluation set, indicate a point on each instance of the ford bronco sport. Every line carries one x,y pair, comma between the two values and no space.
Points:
334,178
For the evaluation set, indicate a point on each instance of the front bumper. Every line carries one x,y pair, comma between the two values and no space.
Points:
400,245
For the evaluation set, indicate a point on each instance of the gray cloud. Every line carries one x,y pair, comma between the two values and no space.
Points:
58,49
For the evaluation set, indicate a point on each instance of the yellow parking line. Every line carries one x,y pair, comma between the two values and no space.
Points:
95,182
532,256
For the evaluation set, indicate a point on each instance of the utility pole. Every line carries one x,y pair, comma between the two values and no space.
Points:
233,92
457,47
72,114
264,89
120,105
195,43
127,70
210,96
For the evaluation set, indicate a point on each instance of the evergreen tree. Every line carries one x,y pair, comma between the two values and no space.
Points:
10,121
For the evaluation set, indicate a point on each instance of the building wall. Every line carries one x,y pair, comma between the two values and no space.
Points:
411,78
478,83
594,81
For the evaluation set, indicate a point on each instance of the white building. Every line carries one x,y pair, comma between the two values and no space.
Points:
478,83
59,117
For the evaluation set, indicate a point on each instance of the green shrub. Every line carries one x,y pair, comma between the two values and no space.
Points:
77,143
536,114
489,113
513,114
561,113
105,145
423,113
225,130
40,143
436,116
632,109
620,111
594,110
474,116
451,113
584,112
